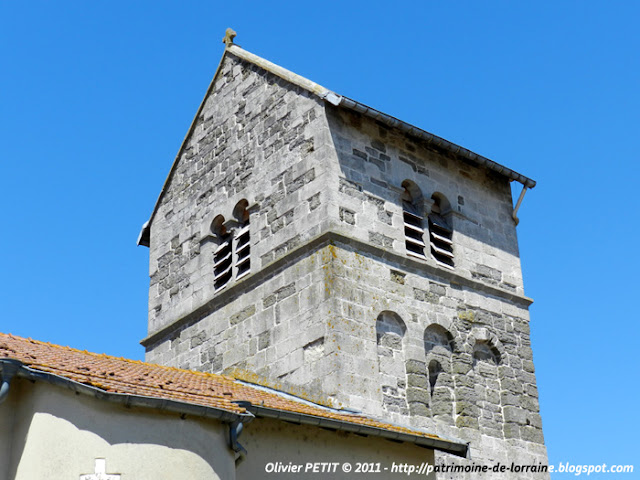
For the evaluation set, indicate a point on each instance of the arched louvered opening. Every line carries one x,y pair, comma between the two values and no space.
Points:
223,255
413,219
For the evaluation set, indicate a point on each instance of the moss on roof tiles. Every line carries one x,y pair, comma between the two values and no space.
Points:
121,375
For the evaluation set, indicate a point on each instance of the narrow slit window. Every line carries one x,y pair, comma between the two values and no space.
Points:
435,369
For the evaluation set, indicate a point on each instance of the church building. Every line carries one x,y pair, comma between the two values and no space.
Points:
316,261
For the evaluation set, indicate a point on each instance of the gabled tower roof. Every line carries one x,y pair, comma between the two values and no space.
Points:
337,100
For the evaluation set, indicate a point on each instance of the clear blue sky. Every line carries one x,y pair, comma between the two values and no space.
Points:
96,97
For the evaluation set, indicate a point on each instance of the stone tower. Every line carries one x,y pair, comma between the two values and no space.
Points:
308,242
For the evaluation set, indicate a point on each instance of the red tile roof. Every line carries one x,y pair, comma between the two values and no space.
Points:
123,376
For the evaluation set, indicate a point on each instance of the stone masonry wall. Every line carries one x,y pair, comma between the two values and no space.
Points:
277,333
484,389
468,367
340,325
375,160
257,138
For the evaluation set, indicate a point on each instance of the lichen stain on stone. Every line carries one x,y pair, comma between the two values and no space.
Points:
251,377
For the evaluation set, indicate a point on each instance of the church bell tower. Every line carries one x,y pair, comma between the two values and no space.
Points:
310,243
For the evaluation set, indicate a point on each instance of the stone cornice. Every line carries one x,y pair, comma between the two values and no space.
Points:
248,283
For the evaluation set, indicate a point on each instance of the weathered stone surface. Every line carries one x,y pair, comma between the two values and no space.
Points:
417,380
380,240
347,216
242,314
416,367
198,339
419,409
397,277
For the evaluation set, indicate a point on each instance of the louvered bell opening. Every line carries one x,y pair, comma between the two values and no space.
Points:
222,261
440,236
243,252
413,234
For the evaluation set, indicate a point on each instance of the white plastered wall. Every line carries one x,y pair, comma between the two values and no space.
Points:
271,441
59,435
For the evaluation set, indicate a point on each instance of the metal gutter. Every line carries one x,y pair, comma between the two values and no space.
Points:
514,215
359,429
434,140
450,446
288,396
12,368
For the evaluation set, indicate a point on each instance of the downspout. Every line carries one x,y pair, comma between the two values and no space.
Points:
515,210
9,368
235,429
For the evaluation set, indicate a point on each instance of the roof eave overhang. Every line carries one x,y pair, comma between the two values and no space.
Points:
454,447
125,399
184,408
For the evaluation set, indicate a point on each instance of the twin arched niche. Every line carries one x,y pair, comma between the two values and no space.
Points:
413,386
428,387
390,334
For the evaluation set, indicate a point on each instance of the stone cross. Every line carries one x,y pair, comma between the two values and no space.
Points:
100,469
229,35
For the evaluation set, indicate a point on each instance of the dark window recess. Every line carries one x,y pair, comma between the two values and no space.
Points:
440,236
435,369
222,264
243,251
